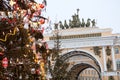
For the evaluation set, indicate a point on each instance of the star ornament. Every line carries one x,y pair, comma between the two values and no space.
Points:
12,2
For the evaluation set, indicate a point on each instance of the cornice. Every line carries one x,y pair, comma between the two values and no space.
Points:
87,42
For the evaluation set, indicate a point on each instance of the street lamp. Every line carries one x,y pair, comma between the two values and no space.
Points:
118,75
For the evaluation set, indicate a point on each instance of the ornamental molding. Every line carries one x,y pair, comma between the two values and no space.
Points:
86,42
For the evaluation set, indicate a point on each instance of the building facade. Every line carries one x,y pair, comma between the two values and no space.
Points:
89,49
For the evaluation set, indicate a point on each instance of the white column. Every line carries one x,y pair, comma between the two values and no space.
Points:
104,58
113,58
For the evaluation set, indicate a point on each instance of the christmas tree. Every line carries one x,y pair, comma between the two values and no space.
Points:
21,40
57,66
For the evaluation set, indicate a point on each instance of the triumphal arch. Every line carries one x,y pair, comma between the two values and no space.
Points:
93,53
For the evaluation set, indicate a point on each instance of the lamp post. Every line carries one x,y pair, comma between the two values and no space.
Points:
118,75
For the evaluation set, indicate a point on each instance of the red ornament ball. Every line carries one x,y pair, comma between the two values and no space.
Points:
42,21
5,62
42,6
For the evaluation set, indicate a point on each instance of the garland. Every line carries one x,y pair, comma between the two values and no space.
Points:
5,39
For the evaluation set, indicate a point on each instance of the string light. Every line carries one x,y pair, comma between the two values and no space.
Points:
3,33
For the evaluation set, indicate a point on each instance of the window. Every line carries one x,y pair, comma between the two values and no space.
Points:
118,64
116,50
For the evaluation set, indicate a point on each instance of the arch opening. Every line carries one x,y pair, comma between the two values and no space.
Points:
88,73
78,67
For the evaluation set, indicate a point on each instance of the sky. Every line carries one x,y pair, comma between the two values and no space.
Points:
105,12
